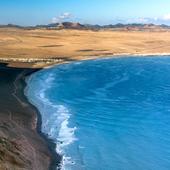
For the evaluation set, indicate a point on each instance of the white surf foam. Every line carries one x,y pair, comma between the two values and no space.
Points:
55,118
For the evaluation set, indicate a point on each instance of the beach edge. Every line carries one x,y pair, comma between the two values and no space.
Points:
47,146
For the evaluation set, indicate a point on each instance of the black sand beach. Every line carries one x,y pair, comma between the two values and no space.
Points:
22,145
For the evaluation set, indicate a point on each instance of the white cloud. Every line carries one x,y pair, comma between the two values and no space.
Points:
166,17
61,17
155,20
55,20
138,20
65,15
143,20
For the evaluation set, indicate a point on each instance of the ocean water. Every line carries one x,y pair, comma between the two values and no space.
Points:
107,114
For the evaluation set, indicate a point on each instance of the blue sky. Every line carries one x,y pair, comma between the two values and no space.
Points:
32,12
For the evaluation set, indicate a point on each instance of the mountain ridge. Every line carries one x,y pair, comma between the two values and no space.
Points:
78,26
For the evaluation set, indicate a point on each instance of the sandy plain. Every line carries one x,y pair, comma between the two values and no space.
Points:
42,47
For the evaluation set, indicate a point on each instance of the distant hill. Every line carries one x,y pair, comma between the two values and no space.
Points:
78,26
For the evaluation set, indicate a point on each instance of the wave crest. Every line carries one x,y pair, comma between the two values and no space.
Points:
55,117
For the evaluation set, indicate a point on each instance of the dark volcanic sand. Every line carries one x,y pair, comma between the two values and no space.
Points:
22,146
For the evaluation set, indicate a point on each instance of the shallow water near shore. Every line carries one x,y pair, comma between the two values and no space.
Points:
107,114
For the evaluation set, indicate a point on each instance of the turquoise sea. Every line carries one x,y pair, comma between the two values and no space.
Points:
107,114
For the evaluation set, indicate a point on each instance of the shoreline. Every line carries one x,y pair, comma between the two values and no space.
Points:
55,158
40,63
23,145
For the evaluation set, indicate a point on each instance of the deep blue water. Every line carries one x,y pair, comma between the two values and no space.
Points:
108,114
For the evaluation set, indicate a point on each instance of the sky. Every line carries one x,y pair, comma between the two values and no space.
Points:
35,12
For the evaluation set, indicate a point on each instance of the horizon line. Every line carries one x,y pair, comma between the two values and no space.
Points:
102,25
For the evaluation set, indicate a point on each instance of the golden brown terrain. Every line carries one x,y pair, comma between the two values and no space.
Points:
46,44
